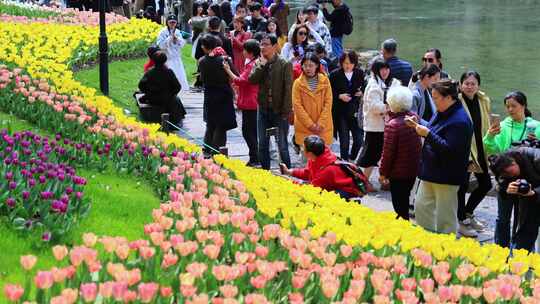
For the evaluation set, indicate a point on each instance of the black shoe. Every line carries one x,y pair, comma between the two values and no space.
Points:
254,164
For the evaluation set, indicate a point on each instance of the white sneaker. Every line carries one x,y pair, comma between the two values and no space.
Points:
474,223
467,231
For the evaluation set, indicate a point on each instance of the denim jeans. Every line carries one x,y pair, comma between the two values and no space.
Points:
337,46
345,127
267,120
505,206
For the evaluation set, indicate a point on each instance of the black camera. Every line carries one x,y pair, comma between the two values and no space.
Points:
324,1
524,187
530,143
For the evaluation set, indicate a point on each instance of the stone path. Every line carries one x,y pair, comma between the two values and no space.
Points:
194,127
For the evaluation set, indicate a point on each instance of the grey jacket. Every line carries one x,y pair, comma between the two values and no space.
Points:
420,103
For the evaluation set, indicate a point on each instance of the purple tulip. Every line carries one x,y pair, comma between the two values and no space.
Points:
10,202
46,237
58,136
31,182
162,154
9,175
61,177
25,195
120,153
46,195
78,195
12,185
69,190
58,206
174,153
42,179
7,161
25,143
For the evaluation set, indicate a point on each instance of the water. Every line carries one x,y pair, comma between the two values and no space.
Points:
500,39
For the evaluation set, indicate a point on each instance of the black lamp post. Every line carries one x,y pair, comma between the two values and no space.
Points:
103,51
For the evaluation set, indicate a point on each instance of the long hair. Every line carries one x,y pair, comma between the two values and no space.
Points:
295,33
520,98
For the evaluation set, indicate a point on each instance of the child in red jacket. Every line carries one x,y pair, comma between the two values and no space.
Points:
401,151
322,170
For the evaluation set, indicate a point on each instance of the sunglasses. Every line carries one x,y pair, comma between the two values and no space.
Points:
302,33
430,60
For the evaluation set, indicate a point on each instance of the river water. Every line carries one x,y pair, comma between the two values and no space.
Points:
500,39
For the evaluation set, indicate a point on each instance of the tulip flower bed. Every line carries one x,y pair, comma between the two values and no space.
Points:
40,190
226,233
18,9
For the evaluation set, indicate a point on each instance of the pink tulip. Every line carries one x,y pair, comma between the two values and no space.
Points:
165,291
228,291
188,290
28,262
59,252
298,281
258,281
118,290
409,284
346,250
357,287
13,292
211,251
146,252
44,279
147,291
261,251
169,259
427,285
329,287
506,291
105,289
490,294
88,292
196,269
296,298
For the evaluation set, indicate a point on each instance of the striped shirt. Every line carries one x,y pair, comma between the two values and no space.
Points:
312,82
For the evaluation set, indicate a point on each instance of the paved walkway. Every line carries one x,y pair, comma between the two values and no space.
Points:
194,127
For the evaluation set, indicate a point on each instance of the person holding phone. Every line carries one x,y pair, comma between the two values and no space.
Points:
347,83
171,42
447,137
500,138
478,106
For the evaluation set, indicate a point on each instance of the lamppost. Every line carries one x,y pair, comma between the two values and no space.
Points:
103,51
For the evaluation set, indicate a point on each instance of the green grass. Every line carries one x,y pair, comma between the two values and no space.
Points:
121,205
124,76
14,124
16,10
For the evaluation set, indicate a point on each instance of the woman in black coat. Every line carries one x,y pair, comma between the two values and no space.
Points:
160,88
218,108
347,84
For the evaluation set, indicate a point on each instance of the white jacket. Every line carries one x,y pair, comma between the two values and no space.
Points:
374,108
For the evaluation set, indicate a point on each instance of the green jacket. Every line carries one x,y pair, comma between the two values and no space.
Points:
275,80
511,131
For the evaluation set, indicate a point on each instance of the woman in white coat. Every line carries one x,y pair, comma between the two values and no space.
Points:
375,109
170,40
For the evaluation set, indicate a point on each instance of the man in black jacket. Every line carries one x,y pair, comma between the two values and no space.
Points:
339,19
518,175
214,29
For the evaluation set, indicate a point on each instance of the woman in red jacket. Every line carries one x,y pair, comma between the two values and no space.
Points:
322,170
401,151
239,36
247,98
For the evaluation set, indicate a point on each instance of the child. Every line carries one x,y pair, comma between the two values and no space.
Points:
401,151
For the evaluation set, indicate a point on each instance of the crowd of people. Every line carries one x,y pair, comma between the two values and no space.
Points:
415,127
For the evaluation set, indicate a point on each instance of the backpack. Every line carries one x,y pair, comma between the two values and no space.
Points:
347,26
354,172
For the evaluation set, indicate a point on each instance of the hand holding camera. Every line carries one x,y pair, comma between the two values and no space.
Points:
520,187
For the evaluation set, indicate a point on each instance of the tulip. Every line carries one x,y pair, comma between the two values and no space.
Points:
88,292
228,291
147,291
165,291
44,279
13,292
59,252
211,251
28,262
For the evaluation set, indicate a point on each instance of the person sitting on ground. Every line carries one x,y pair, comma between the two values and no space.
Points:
160,87
322,170
150,52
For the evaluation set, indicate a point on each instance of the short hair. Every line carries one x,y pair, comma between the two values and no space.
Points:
239,6
469,74
214,23
258,36
353,57
399,99
252,46
159,58
520,98
209,41
314,144
446,87
216,9
255,7
390,45
310,56
240,19
499,163
429,70
273,38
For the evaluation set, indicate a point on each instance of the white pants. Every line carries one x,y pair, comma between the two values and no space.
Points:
436,207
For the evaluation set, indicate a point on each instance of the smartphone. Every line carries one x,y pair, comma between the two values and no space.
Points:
494,119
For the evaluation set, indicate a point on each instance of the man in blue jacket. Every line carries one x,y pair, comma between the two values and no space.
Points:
399,69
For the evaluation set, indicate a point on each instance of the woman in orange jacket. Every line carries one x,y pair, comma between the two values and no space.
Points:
312,102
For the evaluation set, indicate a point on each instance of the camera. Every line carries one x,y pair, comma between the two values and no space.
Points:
324,1
524,187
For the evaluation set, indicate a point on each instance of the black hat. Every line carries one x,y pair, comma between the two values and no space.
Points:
172,17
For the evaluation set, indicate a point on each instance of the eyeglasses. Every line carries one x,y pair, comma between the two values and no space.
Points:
302,33
430,60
